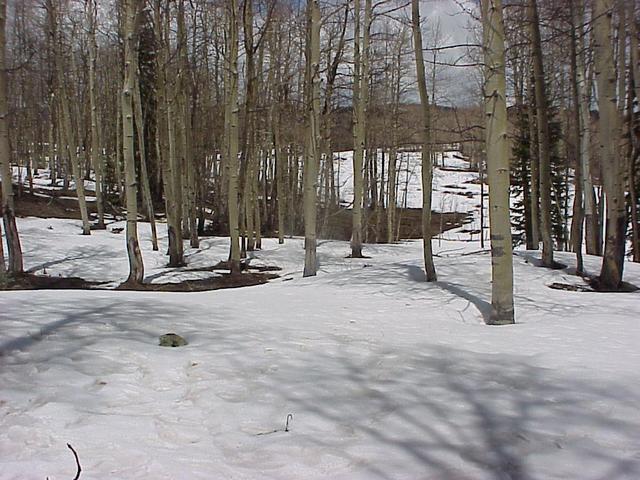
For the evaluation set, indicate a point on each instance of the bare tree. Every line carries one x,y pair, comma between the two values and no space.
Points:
312,159
497,163
360,97
608,137
544,143
132,14
231,141
427,157
8,213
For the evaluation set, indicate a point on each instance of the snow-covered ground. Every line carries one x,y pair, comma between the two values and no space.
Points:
387,377
449,184
42,181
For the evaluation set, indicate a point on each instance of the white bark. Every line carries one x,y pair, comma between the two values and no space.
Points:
313,137
136,266
497,164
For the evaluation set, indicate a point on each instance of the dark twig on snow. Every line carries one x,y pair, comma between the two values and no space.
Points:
75,454
286,426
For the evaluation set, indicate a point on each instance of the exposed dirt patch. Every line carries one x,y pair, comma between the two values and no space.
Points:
457,169
31,281
462,194
537,262
28,205
569,287
476,181
58,203
594,287
244,266
625,287
224,280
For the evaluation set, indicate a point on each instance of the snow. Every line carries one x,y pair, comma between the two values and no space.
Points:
386,376
42,181
409,168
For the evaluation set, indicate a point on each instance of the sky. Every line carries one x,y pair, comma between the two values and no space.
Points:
455,85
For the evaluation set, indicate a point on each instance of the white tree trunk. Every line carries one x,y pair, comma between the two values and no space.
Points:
14,248
231,119
497,164
313,137
544,139
427,159
136,266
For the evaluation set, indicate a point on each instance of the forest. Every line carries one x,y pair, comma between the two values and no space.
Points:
388,239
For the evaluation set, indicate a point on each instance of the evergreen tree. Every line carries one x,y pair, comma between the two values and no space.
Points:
559,182
521,182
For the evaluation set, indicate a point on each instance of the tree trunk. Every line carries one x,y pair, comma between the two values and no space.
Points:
231,119
497,164
544,142
608,136
534,199
577,221
313,137
136,266
166,137
280,159
360,94
69,132
96,157
635,73
427,163
186,134
14,249
584,76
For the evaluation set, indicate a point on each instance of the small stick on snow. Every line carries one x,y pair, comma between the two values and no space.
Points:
286,426
75,454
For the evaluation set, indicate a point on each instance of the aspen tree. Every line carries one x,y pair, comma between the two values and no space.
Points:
360,95
63,95
165,134
396,82
312,159
326,118
231,142
544,143
96,156
274,81
248,134
577,230
635,73
185,127
497,146
608,135
585,86
427,159
132,13
534,200
14,249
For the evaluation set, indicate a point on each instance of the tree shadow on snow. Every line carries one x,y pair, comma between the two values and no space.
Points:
458,415
107,318
417,274
363,406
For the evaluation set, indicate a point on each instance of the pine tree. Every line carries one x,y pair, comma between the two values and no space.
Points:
559,185
521,183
